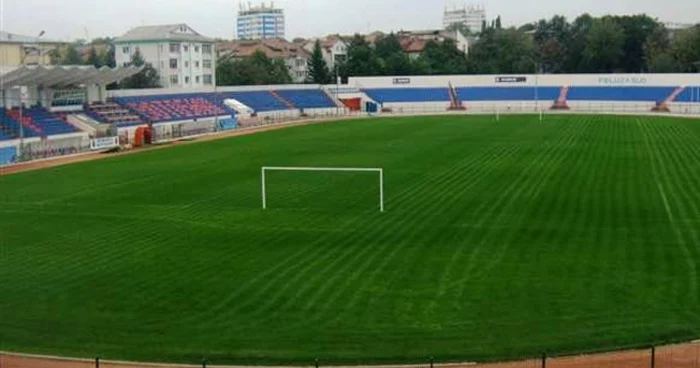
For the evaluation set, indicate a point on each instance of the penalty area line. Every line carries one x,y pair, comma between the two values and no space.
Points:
666,204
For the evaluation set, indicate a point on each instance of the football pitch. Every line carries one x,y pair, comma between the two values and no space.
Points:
500,240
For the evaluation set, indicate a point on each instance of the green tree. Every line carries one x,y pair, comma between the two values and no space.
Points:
503,51
93,59
68,55
146,78
391,57
318,69
362,60
443,58
637,30
604,46
657,52
107,57
662,63
257,69
387,45
578,34
685,49
551,40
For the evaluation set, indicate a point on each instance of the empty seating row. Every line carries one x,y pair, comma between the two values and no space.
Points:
408,94
507,93
171,108
307,98
48,123
112,113
652,94
576,93
199,105
36,122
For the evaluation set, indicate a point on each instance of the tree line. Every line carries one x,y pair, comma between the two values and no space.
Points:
608,44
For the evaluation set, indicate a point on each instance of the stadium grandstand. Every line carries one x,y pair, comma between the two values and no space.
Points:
76,107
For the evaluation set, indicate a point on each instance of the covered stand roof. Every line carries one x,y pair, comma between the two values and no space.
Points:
61,76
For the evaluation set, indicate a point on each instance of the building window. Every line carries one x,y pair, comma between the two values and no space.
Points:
162,64
187,64
187,80
206,49
207,78
185,48
196,79
206,64
125,49
174,79
196,64
174,47
173,63
196,49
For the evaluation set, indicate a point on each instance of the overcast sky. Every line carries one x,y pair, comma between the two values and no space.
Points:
70,19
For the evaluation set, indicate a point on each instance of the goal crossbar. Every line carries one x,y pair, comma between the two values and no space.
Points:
265,169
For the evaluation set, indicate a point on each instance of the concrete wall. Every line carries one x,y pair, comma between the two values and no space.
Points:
557,80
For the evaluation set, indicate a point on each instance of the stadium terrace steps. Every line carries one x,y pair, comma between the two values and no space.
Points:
663,106
674,95
282,100
455,102
561,104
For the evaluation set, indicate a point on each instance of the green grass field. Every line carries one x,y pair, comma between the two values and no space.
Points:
500,240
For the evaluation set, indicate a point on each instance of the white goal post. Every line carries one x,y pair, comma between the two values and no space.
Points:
265,169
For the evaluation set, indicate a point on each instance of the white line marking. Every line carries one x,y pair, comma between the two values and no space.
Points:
668,207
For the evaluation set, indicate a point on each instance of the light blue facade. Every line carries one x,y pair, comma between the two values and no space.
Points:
260,24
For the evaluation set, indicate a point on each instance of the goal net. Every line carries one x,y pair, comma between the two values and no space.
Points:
322,187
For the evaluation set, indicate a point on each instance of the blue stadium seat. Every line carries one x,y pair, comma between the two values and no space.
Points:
508,93
161,108
259,101
307,98
655,94
383,95
48,123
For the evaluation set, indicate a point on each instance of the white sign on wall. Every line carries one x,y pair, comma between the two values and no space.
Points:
104,143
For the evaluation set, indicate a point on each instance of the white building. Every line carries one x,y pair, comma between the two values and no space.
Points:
473,17
182,57
259,22
333,48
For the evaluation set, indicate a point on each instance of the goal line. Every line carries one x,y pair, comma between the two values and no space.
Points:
379,171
